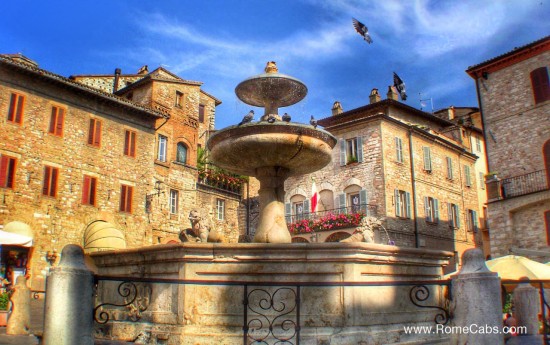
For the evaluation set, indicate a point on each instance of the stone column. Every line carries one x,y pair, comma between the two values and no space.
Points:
19,322
69,301
272,223
527,307
477,304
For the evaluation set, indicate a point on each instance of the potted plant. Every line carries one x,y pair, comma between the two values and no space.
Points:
4,307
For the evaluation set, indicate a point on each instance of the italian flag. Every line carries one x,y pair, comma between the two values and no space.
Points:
314,197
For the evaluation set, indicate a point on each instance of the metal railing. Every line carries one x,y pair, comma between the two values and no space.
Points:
271,312
524,184
366,209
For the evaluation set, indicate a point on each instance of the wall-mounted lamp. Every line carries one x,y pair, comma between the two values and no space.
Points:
51,256
157,188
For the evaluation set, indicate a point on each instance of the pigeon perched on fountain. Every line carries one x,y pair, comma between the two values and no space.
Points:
271,118
313,122
286,117
362,30
247,118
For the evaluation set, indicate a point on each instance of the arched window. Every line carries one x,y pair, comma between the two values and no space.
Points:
541,85
182,153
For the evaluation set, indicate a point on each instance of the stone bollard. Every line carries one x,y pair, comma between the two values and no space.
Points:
477,304
69,301
19,322
527,308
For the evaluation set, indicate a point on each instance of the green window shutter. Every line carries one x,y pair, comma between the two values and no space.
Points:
342,152
342,202
307,208
399,149
476,221
397,202
408,204
457,216
450,214
288,212
363,200
436,210
449,168
359,149
427,159
468,176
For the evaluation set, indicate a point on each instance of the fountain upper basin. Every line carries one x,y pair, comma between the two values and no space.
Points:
299,148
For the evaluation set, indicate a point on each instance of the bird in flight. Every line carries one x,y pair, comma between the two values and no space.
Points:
400,86
247,118
362,30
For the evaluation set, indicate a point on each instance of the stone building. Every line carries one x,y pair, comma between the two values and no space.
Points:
103,161
514,95
398,164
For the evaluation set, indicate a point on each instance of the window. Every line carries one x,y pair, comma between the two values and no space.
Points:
94,133
89,190
181,156
473,223
481,181
427,159
454,216
179,99
431,206
449,168
478,144
220,209
50,181
201,113
298,208
130,143
399,149
7,171
126,193
174,201
351,151
161,156
402,201
56,121
467,176
540,84
15,112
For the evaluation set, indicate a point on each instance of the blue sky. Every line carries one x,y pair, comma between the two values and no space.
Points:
222,42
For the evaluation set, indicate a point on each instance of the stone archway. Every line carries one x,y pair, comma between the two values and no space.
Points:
337,236
299,240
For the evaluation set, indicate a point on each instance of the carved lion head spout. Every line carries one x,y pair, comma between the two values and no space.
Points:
271,67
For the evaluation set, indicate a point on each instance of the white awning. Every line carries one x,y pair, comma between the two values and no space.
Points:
8,238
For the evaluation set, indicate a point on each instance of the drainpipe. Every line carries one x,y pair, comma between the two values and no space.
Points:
483,124
117,79
413,182
248,208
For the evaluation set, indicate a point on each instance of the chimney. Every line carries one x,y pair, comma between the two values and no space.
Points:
374,96
392,93
337,108
117,79
451,112
143,70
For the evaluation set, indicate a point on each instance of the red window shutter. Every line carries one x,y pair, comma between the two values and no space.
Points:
91,132
126,143
47,176
540,84
97,135
53,185
129,199
11,110
60,121
86,190
93,186
3,171
19,113
133,144
53,118
10,176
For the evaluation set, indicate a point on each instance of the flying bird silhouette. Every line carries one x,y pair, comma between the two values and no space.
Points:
313,122
247,118
400,86
362,30
286,117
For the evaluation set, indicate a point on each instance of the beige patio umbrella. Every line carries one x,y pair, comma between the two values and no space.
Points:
518,267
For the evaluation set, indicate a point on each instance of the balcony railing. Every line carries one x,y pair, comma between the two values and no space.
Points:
524,184
366,209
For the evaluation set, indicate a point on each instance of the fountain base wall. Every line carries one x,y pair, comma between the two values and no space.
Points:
214,314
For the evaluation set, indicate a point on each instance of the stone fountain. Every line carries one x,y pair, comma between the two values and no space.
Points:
271,150
232,293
